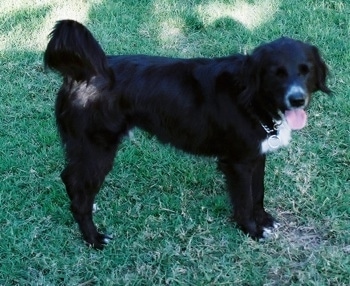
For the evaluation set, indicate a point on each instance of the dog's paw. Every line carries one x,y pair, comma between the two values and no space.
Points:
268,231
260,232
260,227
99,241
264,219
265,223
252,229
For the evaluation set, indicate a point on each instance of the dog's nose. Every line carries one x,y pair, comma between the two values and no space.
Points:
296,99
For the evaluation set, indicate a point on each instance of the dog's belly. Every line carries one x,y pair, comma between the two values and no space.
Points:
186,141
208,141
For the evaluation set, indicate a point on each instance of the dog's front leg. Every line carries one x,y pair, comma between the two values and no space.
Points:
263,219
239,180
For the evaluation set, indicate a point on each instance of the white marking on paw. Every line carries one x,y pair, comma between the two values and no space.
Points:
267,232
95,208
131,135
276,225
107,240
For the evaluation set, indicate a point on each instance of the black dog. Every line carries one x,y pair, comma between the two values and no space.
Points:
235,108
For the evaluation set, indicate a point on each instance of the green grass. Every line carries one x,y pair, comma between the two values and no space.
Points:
168,211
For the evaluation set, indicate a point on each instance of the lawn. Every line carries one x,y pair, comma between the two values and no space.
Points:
168,211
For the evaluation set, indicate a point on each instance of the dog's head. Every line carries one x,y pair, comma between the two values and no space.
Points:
282,76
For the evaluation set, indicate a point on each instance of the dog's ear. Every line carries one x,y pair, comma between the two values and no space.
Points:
321,70
252,70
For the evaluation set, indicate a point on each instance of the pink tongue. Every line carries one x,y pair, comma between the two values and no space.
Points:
296,118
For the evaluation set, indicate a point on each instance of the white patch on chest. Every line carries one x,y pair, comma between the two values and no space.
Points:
274,142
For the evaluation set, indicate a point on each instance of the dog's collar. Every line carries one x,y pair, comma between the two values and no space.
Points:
274,129
273,139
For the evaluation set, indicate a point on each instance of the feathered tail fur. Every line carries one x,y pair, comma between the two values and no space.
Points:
75,53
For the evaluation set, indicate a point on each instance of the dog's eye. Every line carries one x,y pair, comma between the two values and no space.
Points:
281,72
303,69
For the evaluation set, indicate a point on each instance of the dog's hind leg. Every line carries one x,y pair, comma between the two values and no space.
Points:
87,165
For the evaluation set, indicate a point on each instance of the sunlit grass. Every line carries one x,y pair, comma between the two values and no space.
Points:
23,35
250,14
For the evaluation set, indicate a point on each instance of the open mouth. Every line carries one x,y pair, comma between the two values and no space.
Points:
296,118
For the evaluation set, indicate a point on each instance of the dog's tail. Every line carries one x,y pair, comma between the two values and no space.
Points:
74,52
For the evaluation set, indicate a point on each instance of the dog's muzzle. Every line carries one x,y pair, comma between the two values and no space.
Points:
296,97
296,100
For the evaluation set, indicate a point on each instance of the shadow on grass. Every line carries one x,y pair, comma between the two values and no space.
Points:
189,29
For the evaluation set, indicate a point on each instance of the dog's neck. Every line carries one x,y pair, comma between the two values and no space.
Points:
269,121
275,138
277,131
272,127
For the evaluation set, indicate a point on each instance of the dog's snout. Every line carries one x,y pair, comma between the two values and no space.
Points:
296,97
